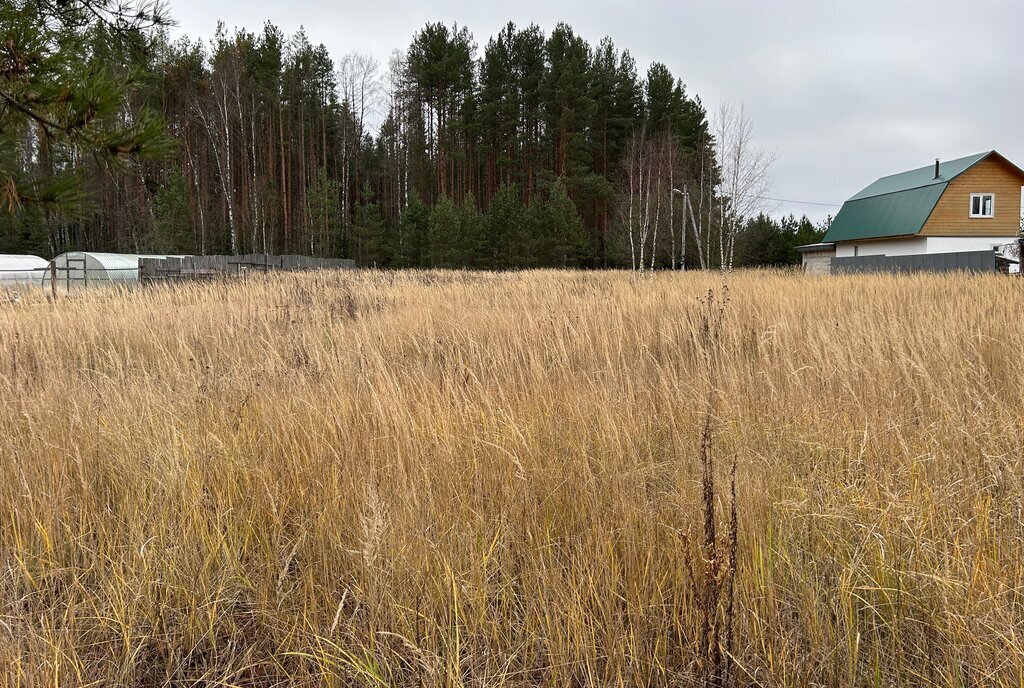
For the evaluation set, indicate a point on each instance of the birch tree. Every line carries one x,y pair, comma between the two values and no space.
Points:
744,172
647,187
359,78
703,171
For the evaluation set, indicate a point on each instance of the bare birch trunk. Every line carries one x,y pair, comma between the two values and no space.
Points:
672,204
629,223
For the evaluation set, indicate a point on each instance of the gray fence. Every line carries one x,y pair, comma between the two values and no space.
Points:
968,261
205,267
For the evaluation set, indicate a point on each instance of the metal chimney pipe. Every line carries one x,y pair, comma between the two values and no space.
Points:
936,168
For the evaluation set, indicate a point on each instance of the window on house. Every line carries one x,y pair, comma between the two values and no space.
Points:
983,205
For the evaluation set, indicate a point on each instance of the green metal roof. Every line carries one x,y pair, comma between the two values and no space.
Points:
897,205
922,176
900,213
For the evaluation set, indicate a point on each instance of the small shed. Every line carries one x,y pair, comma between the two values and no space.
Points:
817,258
21,270
82,269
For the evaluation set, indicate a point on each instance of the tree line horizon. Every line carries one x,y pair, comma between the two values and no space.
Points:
538,150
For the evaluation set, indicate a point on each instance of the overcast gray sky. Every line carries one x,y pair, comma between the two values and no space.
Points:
841,92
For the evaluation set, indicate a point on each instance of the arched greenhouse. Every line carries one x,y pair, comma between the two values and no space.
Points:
21,270
83,269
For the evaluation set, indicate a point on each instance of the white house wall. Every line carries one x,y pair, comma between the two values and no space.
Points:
919,245
960,244
891,247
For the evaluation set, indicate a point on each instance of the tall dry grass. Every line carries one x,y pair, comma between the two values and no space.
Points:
447,479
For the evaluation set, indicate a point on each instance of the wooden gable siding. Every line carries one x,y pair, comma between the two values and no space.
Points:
951,216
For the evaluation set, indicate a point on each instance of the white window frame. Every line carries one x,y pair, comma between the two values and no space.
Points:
970,208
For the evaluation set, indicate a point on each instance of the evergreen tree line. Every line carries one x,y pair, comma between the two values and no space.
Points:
766,241
519,155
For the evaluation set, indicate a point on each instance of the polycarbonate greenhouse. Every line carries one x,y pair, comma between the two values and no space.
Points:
83,269
21,270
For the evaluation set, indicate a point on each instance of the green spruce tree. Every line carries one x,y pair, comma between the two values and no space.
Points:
560,232
445,248
413,240
172,227
506,239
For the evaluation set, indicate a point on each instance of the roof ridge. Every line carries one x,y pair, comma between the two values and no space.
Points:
920,177
981,155
909,188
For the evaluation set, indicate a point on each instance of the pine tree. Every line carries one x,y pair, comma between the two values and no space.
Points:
663,100
499,110
63,93
529,57
567,98
441,70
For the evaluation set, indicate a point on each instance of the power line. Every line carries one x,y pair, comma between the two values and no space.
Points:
780,200
789,200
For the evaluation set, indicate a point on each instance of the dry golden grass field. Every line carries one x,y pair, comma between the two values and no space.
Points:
458,479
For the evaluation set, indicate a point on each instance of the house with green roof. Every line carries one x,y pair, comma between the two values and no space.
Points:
964,205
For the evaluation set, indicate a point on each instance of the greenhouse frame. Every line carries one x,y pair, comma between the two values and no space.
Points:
21,271
83,269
